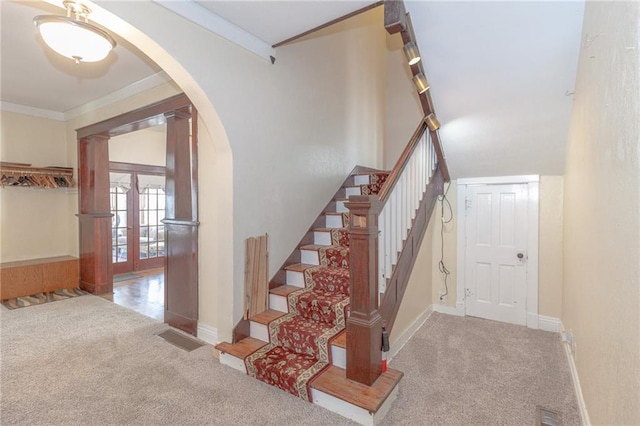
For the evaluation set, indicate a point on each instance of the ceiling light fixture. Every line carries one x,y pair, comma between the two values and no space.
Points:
421,83
73,36
432,122
411,52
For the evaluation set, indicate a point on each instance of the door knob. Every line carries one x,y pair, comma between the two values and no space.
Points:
520,255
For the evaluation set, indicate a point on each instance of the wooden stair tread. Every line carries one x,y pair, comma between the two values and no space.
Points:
299,267
335,383
242,349
341,340
284,290
314,247
267,316
329,229
334,213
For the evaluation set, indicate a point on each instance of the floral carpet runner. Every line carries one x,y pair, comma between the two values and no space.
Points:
299,347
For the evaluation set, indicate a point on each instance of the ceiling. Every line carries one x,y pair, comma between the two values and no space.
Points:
502,73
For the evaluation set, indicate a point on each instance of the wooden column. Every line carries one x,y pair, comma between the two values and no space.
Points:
181,226
364,325
96,269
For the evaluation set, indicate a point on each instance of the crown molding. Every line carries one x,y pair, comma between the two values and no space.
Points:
32,111
139,86
134,88
210,21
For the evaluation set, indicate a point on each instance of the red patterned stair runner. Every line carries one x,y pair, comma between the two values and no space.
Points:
299,347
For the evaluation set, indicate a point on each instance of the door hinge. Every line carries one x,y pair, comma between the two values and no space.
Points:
467,203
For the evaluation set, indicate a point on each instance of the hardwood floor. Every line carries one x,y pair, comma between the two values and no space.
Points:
143,294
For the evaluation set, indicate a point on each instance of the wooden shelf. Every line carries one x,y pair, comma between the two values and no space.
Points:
21,174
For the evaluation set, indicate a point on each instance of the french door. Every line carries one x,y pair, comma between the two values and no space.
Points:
138,207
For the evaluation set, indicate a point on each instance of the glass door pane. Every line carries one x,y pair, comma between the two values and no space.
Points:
121,255
151,213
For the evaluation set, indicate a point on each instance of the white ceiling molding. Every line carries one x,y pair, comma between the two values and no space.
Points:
32,111
113,97
208,20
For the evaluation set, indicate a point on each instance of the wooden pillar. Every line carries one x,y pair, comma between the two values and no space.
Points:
181,226
364,325
96,269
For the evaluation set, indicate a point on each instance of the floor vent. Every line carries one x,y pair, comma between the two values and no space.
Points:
547,417
180,340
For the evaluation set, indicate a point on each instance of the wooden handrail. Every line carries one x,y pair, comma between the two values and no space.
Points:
402,162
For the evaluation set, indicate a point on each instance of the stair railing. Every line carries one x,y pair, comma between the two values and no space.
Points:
386,230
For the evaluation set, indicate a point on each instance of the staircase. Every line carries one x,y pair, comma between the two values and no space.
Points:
299,344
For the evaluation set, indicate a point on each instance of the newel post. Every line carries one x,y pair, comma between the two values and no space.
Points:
364,325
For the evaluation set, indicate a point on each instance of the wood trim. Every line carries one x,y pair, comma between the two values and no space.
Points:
117,166
140,118
328,24
442,161
402,162
397,284
395,16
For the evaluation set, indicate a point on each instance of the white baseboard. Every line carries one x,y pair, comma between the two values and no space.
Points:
549,324
208,334
582,407
457,310
408,333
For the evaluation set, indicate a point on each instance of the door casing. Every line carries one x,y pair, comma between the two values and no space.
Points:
533,187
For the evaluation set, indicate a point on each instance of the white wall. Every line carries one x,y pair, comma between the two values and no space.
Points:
601,298
295,128
34,221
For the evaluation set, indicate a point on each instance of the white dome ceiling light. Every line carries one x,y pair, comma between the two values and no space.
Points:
74,37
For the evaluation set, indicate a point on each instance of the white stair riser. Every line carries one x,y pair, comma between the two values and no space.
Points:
322,238
259,331
278,303
295,278
333,221
233,362
361,180
310,257
339,356
353,412
340,207
353,190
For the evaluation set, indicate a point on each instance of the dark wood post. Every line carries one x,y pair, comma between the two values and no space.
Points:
181,226
364,325
96,269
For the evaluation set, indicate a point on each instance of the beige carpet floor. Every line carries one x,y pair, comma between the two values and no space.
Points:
87,361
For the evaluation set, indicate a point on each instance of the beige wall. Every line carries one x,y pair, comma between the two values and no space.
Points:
295,128
417,297
601,298
34,221
146,146
402,106
550,247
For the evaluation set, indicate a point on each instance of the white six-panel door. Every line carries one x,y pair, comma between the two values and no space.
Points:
496,252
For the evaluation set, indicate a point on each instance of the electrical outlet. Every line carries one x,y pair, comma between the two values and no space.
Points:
442,297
